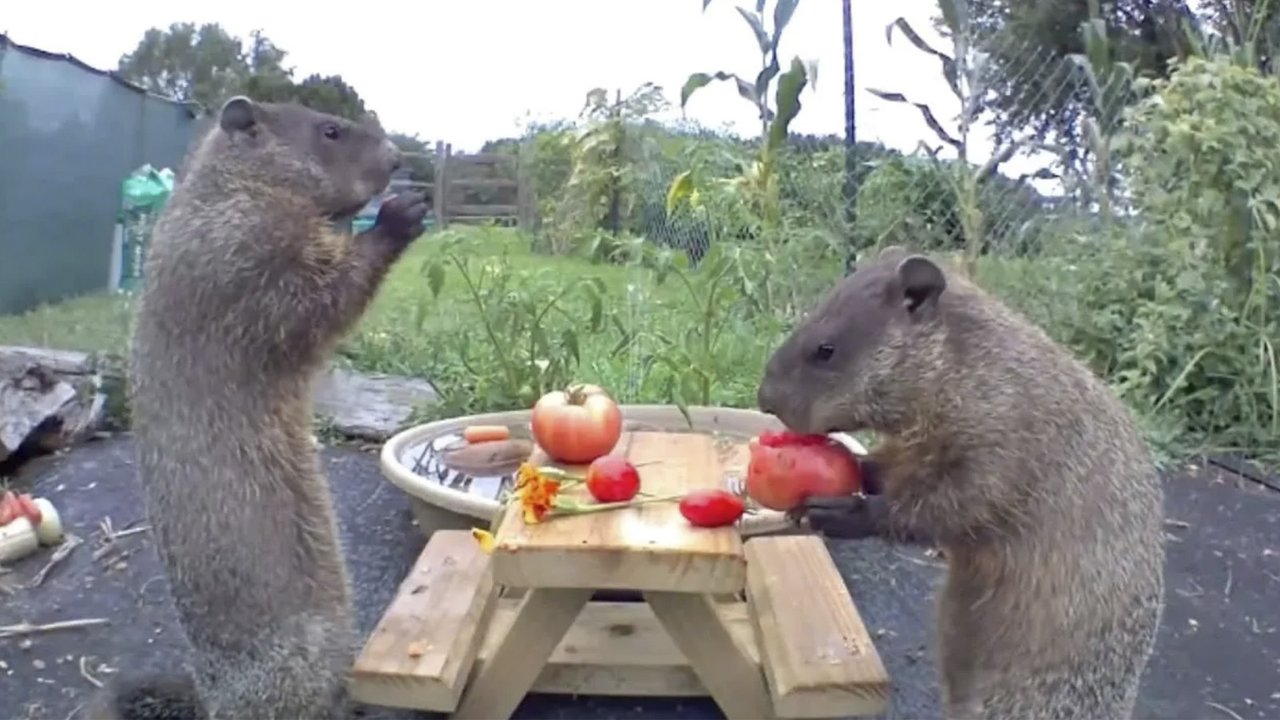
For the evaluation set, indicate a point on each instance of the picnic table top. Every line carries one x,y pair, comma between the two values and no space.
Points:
648,547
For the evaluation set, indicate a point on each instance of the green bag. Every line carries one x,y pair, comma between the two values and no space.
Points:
147,188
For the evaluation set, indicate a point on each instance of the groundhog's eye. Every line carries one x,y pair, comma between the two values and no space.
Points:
823,352
331,131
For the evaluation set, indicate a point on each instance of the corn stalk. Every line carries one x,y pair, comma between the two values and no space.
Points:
759,179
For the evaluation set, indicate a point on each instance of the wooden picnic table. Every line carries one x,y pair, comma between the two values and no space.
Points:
766,627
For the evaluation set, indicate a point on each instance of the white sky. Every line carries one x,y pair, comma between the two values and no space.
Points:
469,70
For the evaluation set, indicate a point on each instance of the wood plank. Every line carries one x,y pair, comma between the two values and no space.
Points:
815,650
649,547
484,158
724,667
484,182
541,621
491,210
620,649
422,650
479,219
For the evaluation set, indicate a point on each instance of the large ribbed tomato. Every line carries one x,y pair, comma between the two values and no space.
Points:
787,467
578,424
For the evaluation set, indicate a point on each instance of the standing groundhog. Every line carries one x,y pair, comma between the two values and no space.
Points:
1010,455
247,290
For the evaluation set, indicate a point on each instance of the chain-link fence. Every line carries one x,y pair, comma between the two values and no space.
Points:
969,179
69,137
1006,157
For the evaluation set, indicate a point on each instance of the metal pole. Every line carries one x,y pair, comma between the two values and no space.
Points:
850,138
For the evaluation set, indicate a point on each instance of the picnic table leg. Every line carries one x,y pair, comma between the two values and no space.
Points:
541,621
733,680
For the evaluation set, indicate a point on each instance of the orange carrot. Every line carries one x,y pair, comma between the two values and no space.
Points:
485,433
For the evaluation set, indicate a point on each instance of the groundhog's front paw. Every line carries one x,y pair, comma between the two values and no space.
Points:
400,218
847,516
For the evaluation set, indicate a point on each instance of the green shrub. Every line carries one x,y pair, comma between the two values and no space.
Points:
1179,307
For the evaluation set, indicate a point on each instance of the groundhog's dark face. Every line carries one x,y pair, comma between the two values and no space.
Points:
340,164
846,367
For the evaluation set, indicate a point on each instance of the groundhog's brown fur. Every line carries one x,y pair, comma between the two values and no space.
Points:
247,290
1010,455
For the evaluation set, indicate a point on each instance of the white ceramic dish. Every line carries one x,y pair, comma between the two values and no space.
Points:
437,506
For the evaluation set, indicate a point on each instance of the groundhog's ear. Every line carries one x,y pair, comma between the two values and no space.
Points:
238,115
922,282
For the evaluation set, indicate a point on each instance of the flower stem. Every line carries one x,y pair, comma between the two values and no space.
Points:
575,509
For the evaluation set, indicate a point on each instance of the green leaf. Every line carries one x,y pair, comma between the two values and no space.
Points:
689,387
925,111
951,16
790,84
597,284
623,343
762,38
748,91
698,81
759,6
435,279
680,191
949,68
421,311
569,342
684,411
766,76
782,13
597,312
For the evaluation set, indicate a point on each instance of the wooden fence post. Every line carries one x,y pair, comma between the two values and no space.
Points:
441,190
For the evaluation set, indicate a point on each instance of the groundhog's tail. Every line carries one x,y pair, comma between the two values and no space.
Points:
148,697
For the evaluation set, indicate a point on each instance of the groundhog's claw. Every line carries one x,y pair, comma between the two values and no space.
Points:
848,516
400,218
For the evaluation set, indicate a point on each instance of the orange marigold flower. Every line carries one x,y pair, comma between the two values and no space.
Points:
525,475
536,491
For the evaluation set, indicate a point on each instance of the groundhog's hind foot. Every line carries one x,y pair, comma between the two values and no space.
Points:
147,697
1069,696
299,674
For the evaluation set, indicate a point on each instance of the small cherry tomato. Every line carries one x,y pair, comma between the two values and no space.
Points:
711,507
611,478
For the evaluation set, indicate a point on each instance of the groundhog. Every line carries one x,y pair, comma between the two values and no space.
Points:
1007,453
247,289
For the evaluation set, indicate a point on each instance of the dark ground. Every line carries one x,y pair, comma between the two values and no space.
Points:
1218,655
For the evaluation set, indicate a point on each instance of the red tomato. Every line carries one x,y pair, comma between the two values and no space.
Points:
611,478
30,509
785,468
711,507
577,425
784,438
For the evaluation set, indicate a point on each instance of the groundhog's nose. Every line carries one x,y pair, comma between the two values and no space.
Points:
767,398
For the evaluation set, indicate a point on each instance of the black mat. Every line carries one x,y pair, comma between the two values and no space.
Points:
1218,652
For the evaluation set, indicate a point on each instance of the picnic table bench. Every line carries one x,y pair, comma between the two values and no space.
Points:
765,627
